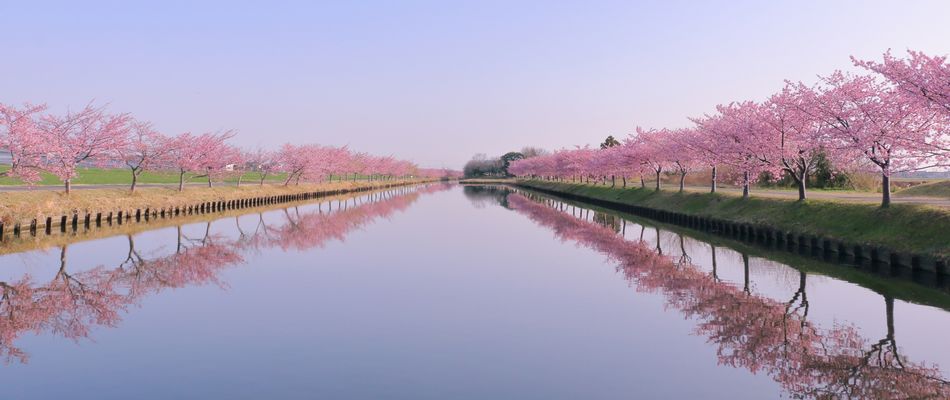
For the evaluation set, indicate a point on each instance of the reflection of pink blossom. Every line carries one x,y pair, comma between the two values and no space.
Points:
755,332
71,304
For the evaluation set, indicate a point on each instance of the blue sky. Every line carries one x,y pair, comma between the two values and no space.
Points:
437,81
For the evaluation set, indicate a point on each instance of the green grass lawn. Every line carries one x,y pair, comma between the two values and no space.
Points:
101,176
104,176
934,189
902,227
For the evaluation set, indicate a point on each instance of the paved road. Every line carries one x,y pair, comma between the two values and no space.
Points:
852,197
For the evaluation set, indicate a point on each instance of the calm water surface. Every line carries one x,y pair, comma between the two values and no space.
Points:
445,292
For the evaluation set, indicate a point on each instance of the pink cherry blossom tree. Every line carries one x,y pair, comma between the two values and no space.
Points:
358,165
20,136
145,149
792,139
206,155
263,161
237,162
704,145
652,148
89,135
923,77
683,157
735,133
336,160
873,121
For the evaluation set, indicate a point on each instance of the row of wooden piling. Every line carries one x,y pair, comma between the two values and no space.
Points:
818,246
75,222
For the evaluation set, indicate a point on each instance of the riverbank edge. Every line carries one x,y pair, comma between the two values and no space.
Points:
17,226
25,242
761,231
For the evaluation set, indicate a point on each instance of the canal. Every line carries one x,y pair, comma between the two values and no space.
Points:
443,291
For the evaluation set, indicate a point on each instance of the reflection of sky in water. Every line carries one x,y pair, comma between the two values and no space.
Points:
439,299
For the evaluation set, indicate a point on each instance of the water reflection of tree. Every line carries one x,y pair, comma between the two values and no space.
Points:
757,333
609,221
71,303
482,196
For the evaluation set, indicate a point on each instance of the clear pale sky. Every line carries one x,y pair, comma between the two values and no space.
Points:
438,81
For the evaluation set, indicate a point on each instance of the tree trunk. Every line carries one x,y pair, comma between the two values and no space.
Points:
134,180
181,181
713,183
682,181
239,179
715,275
613,181
62,258
209,180
624,178
745,185
68,184
263,176
889,310
801,187
885,190
745,267
658,180
643,183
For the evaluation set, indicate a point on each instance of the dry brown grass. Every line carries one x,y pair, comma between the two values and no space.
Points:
22,207
41,241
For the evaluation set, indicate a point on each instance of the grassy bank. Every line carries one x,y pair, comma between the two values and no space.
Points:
934,189
22,207
904,228
900,286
